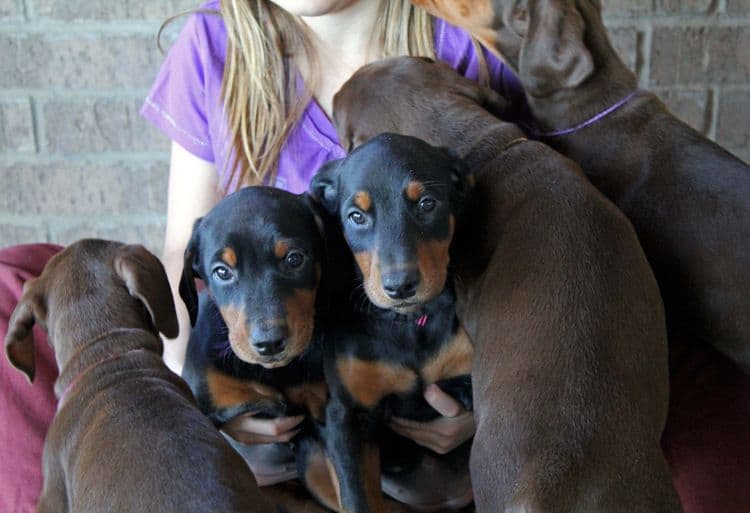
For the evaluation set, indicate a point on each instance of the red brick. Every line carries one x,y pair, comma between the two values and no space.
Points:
149,233
685,6
690,106
11,9
16,125
107,10
738,7
733,129
90,124
21,233
99,60
625,42
627,7
60,187
700,55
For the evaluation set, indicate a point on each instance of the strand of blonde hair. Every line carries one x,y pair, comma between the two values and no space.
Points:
261,102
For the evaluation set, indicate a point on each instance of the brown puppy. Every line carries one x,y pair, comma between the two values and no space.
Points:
570,372
688,198
127,435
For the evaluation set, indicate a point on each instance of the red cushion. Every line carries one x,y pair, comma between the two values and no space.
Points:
25,410
707,437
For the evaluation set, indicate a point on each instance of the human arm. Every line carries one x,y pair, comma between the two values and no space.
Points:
193,191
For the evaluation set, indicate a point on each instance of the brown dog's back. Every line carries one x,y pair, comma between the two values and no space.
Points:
570,367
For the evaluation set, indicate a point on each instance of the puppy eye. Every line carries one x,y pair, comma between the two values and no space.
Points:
295,259
426,205
222,273
357,217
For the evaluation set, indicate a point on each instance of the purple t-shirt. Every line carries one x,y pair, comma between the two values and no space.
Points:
185,100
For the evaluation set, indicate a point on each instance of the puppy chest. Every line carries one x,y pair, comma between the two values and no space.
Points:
404,366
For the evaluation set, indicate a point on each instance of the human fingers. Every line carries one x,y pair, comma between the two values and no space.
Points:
245,437
442,402
441,435
248,427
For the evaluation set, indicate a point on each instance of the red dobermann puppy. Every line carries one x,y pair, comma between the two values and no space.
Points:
127,435
687,197
570,367
396,199
276,276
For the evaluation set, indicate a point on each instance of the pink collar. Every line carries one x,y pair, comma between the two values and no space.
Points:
422,321
588,122
65,393
78,378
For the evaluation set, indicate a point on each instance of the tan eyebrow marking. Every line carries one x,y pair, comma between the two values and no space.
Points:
414,190
363,201
281,248
229,257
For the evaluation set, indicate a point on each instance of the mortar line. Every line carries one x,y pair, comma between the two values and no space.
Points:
714,97
35,124
647,49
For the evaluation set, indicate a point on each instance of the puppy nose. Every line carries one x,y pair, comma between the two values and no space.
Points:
271,347
401,284
269,340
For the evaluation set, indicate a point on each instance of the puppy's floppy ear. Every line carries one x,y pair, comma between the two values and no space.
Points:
19,341
493,102
324,185
190,262
317,212
146,280
553,54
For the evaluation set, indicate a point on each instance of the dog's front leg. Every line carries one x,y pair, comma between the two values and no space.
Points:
355,459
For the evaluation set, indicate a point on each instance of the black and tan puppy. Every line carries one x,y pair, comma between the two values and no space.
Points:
397,200
255,346
276,278
127,435
570,367
260,252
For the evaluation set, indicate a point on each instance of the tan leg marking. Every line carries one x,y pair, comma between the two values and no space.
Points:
227,391
454,359
322,481
311,396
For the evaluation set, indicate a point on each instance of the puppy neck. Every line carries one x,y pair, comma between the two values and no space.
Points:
110,344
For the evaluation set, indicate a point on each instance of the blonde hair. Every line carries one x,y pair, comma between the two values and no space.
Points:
261,101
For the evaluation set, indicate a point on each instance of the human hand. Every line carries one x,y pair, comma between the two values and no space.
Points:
442,435
247,429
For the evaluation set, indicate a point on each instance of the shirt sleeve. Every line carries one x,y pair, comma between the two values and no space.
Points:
176,103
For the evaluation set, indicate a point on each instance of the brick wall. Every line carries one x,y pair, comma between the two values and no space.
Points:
76,160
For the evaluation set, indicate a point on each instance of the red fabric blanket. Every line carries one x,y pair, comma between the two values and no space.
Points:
26,410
